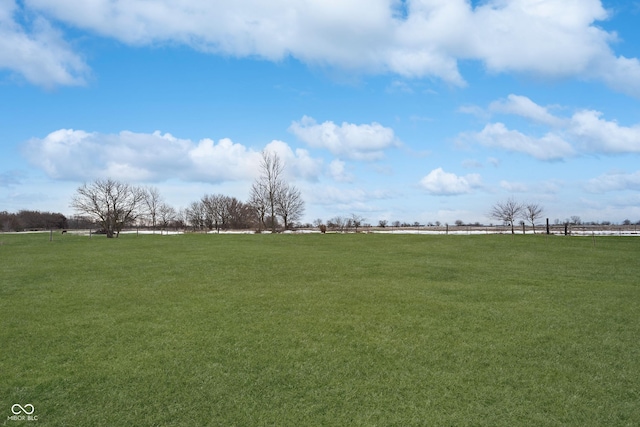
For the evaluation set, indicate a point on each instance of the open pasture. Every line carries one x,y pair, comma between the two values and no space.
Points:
304,330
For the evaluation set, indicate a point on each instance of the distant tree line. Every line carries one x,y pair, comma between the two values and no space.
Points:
273,204
109,206
219,212
26,220
508,212
113,205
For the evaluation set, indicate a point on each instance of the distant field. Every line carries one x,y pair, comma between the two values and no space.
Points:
305,330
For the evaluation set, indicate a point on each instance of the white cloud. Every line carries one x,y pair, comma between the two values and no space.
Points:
620,73
39,54
525,107
604,136
337,171
68,154
549,147
224,161
297,164
584,132
359,142
586,127
614,182
439,182
554,38
313,31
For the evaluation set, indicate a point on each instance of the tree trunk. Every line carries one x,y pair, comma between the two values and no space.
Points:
273,216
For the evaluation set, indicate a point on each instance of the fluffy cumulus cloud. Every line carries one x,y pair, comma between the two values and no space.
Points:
548,147
224,161
299,163
439,182
604,136
37,51
584,132
413,38
359,142
69,154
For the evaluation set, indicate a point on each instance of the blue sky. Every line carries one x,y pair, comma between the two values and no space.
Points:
429,110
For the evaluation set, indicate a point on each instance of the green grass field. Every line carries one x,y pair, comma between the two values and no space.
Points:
306,330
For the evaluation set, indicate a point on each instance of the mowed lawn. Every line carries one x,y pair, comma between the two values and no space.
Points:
334,330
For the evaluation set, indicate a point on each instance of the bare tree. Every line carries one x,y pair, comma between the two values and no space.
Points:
337,223
166,215
532,212
356,221
110,203
238,214
289,205
195,215
8,221
223,212
506,212
152,201
267,187
259,202
213,208
180,220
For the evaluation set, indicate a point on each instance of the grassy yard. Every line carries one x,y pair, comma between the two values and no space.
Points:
334,330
